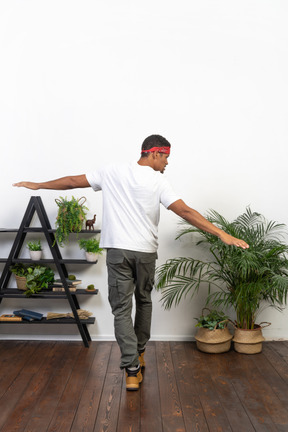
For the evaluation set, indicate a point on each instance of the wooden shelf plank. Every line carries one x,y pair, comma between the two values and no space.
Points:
51,261
67,320
40,229
15,293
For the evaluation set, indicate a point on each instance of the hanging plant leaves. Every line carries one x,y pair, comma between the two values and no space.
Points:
71,216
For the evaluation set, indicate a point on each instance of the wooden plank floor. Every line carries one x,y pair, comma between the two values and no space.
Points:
63,387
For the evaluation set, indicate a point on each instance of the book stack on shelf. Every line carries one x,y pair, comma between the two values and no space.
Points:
22,314
28,315
10,317
72,284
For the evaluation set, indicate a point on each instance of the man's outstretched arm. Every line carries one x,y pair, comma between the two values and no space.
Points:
63,183
197,220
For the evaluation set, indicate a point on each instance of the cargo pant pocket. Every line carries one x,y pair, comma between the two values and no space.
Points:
120,283
146,272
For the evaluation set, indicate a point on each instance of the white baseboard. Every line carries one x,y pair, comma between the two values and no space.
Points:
107,338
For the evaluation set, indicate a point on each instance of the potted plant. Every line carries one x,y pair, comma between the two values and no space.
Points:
20,272
34,278
247,280
90,288
70,218
35,249
38,278
213,335
91,248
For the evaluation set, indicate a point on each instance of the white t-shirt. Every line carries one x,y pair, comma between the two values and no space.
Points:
131,205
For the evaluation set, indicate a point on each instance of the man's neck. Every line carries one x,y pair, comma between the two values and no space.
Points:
145,161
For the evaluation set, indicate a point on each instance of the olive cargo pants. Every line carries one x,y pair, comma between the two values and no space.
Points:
131,273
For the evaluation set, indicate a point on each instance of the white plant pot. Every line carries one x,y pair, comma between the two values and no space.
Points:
35,255
91,257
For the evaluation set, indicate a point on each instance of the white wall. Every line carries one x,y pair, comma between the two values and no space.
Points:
83,83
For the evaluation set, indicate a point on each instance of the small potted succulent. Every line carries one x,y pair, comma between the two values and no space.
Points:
90,288
35,249
91,248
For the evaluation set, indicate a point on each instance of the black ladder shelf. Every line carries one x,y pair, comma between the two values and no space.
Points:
35,205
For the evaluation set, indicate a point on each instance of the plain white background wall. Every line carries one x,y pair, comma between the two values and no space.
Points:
83,83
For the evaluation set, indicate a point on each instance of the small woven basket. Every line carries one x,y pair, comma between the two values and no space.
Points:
21,282
249,341
63,210
213,341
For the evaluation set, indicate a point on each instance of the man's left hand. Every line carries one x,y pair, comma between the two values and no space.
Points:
233,241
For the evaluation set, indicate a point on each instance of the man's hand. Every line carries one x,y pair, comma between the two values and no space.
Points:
63,183
232,241
28,185
197,220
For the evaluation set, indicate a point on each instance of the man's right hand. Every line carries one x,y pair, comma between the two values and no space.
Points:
63,183
28,185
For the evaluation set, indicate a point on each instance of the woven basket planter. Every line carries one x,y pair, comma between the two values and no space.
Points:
63,211
249,341
213,341
21,282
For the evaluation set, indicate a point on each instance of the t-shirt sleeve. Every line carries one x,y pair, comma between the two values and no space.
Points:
167,195
95,180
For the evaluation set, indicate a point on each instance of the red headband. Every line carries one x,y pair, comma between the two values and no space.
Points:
159,149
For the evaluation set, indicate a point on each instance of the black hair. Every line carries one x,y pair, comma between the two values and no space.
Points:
154,141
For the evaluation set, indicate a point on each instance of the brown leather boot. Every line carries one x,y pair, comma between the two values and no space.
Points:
133,379
141,359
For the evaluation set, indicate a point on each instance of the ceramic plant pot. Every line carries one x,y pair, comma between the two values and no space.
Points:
35,255
91,257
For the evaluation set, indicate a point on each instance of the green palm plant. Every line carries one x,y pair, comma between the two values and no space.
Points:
246,280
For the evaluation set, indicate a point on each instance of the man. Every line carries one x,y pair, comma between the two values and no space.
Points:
132,194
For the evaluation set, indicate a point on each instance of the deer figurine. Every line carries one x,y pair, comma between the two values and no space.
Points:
90,223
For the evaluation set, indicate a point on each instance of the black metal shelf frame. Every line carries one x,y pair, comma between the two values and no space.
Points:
35,205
